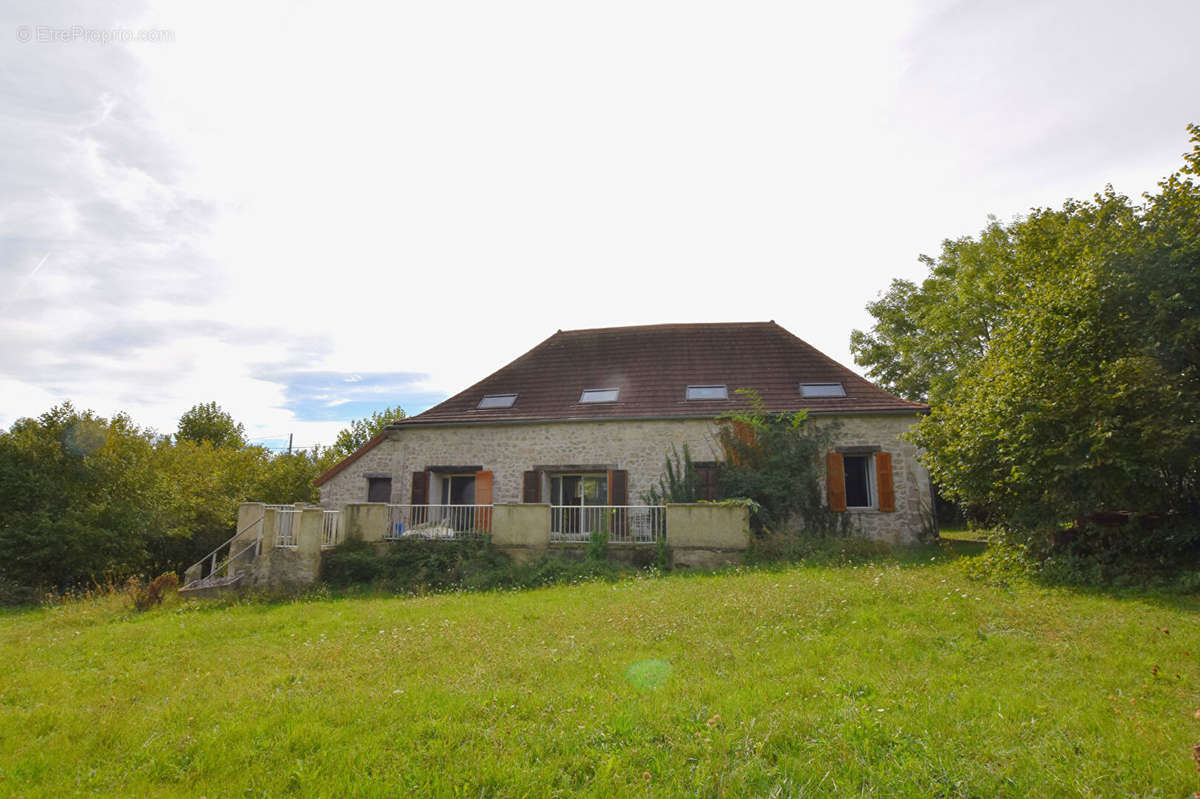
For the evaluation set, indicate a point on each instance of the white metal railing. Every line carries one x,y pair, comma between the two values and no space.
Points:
331,529
285,527
221,561
217,564
279,507
438,521
623,524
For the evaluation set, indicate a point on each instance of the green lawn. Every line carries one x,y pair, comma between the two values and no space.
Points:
963,534
879,680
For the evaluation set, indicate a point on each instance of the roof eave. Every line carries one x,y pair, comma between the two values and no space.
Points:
337,468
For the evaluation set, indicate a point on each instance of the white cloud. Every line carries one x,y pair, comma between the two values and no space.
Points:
435,188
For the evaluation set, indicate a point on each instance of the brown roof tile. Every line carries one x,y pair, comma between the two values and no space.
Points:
653,365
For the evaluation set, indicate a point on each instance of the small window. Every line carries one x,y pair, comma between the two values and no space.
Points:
497,401
600,395
707,393
379,489
822,390
859,485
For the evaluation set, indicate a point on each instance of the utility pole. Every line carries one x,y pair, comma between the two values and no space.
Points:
289,443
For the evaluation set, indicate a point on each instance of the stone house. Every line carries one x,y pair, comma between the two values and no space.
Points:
586,418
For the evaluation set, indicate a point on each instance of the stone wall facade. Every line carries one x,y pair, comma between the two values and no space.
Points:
637,446
914,497
350,485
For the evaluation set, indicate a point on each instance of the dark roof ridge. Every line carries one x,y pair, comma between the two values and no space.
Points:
666,326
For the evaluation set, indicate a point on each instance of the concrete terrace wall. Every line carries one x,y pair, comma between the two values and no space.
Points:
639,447
698,535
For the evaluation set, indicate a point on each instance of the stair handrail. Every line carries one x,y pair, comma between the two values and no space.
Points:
213,555
225,563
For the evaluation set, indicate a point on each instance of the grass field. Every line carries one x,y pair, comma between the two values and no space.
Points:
886,679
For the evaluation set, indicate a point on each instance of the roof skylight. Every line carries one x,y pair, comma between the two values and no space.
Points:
822,390
600,395
497,401
707,393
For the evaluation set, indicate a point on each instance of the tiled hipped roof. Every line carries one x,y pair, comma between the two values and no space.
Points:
653,366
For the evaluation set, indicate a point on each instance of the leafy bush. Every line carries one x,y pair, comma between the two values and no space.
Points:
597,546
419,566
775,459
1164,556
680,482
784,546
148,595
13,593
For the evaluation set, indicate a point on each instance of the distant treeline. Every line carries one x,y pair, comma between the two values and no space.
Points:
85,499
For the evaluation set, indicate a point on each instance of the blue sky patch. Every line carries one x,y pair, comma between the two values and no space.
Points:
343,396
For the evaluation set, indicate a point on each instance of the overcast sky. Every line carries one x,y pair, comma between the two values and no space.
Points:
307,212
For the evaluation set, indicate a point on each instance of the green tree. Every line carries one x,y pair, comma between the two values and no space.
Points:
1076,386
80,500
925,336
363,430
287,478
207,422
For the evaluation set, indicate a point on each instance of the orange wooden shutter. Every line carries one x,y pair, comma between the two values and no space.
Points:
835,481
483,488
744,433
883,479
531,487
483,496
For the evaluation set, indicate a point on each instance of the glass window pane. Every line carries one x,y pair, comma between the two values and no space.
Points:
858,486
822,390
570,490
462,490
497,401
595,490
600,395
707,392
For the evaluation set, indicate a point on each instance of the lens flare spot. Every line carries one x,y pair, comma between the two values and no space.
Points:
647,675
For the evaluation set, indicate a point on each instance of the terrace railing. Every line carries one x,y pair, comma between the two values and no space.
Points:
287,522
439,521
331,529
622,524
